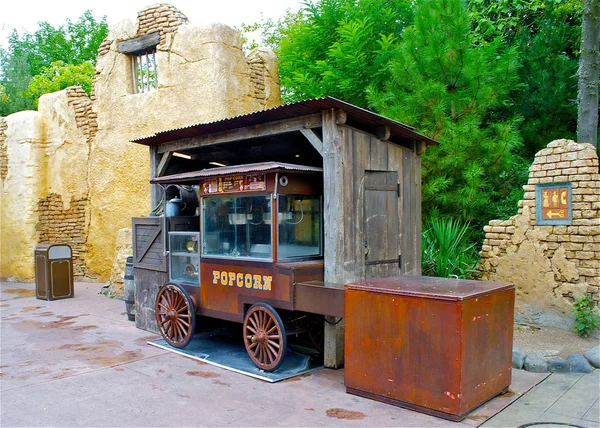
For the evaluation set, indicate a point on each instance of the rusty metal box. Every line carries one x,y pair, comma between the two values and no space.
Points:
53,271
435,345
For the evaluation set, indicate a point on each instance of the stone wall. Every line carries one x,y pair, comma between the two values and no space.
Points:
69,171
57,224
550,265
3,150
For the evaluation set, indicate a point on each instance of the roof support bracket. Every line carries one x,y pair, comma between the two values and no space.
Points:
162,165
313,139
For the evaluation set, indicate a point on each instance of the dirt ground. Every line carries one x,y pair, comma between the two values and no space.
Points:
555,342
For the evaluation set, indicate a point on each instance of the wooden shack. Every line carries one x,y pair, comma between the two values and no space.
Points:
371,190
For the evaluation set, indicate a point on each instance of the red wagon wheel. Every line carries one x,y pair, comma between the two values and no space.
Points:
175,315
264,336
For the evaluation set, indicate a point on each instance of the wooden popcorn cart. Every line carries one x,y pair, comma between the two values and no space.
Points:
267,215
260,235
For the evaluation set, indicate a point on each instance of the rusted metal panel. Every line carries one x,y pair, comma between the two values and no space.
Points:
321,298
439,346
356,116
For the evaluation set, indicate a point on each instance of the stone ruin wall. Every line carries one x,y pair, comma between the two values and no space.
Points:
551,266
74,171
43,186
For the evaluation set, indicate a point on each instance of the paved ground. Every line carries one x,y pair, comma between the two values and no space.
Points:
79,362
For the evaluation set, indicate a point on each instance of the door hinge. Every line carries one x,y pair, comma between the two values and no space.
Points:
398,189
400,261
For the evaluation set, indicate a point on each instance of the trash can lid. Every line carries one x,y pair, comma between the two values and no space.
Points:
55,251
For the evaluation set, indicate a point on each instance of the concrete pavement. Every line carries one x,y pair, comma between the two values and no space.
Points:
79,362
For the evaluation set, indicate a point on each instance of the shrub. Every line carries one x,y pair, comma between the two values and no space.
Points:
586,318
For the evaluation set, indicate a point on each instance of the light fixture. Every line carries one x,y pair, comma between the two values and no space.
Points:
217,164
297,156
181,155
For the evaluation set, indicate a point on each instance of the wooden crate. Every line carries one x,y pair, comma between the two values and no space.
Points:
435,345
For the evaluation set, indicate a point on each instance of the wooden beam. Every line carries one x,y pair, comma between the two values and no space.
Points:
313,139
162,165
383,133
245,133
334,228
340,117
155,190
139,44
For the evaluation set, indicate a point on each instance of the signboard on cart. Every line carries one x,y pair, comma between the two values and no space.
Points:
234,183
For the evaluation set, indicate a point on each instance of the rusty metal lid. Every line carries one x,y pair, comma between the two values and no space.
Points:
430,287
234,169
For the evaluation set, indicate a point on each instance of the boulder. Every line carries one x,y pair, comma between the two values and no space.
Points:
518,358
593,356
559,365
579,364
536,362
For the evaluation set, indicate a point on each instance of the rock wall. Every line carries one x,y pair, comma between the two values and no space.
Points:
43,183
550,265
75,150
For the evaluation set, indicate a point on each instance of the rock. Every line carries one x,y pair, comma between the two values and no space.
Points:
593,356
559,365
518,358
579,364
536,363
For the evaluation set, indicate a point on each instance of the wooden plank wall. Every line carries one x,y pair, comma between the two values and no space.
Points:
147,283
363,152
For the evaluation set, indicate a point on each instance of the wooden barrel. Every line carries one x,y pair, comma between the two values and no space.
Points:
129,288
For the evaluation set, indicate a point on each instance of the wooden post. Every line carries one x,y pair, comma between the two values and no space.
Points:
155,191
334,228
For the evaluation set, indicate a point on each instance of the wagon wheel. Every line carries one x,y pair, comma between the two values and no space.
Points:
264,336
175,315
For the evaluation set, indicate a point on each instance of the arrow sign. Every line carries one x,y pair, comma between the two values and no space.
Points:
559,214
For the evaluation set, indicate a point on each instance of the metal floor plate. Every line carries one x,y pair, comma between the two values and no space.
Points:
223,351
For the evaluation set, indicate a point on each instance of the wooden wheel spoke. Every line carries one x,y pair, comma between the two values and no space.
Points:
252,346
276,344
272,329
253,322
183,308
184,323
269,323
251,329
163,306
272,352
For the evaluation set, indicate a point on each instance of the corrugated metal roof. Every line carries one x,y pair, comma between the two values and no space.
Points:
357,115
235,169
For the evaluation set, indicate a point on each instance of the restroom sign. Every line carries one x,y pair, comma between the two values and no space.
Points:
553,203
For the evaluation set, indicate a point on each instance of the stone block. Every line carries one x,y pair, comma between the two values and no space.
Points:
581,177
559,175
518,358
569,171
587,154
568,156
588,271
592,356
487,228
498,229
538,174
548,166
591,198
554,158
579,364
566,164
588,230
547,180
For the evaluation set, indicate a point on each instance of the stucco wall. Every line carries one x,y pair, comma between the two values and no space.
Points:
550,265
77,149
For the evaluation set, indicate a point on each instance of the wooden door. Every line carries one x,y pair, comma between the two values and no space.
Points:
148,244
381,224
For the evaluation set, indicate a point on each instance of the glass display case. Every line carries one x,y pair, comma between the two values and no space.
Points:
184,260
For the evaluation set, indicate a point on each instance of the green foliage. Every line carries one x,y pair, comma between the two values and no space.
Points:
451,87
337,47
59,76
586,315
31,54
446,249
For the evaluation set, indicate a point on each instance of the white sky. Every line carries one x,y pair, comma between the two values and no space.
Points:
25,14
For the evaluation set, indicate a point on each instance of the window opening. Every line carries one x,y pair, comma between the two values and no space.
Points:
299,223
144,71
238,226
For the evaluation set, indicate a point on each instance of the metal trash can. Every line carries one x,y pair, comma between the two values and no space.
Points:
129,289
53,271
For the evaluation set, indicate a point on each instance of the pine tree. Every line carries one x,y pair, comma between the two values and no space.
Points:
451,86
